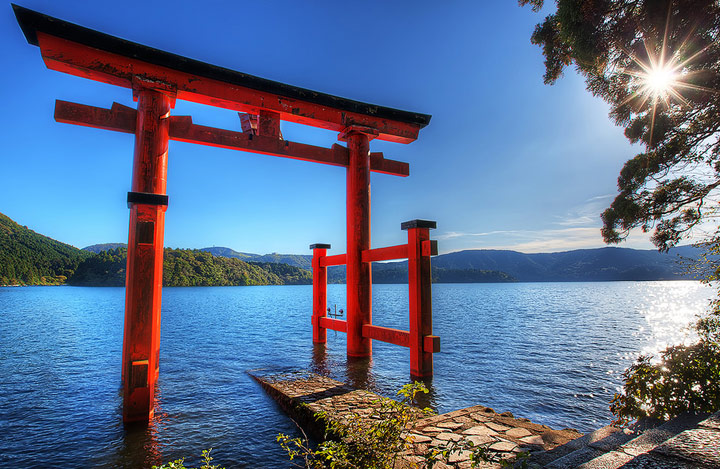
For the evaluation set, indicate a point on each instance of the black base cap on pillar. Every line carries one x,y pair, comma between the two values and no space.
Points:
319,246
146,198
418,224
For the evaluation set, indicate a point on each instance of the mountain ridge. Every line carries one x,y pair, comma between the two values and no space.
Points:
609,263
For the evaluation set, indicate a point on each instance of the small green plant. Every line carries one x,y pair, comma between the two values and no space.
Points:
179,463
360,441
379,440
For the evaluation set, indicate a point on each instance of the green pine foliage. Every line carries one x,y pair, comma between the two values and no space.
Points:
622,48
28,258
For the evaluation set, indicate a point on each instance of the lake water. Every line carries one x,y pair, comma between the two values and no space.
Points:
551,352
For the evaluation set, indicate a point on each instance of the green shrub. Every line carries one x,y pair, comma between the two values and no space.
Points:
687,377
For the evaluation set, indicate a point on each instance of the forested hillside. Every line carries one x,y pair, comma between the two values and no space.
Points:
189,268
28,258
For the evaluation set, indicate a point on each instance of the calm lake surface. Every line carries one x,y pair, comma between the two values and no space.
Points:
551,352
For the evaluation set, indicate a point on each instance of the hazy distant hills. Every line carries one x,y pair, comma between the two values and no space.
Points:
304,261
98,248
588,265
484,265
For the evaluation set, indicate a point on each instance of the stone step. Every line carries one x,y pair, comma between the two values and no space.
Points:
590,446
657,447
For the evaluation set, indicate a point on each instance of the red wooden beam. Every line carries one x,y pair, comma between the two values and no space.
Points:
386,334
81,60
122,119
333,324
385,254
338,259
431,344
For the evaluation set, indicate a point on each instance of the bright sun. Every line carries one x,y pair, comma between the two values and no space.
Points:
661,81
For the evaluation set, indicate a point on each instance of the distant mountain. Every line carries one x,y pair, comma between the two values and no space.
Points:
470,266
227,252
603,264
98,248
484,265
303,261
29,258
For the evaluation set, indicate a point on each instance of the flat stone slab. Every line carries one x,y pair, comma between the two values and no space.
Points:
609,438
575,459
480,430
446,436
449,424
478,440
654,461
712,422
504,446
611,460
699,445
498,427
518,432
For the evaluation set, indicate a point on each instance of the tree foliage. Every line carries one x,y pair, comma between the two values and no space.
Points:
624,48
189,268
28,258
686,379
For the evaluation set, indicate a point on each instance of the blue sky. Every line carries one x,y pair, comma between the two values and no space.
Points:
506,161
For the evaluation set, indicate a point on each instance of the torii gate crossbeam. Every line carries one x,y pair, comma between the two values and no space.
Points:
157,80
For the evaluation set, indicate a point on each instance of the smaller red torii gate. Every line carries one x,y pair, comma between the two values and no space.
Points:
157,79
360,329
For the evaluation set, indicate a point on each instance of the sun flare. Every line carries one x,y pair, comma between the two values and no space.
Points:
661,81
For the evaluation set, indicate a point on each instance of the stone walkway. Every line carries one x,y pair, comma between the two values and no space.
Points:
686,442
503,434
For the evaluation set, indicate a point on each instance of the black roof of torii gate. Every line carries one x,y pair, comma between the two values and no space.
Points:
33,22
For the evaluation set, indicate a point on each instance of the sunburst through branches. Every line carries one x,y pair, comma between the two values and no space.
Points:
662,76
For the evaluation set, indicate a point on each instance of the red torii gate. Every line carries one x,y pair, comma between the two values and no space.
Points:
157,79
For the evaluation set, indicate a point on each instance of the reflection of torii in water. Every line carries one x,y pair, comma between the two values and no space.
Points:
157,79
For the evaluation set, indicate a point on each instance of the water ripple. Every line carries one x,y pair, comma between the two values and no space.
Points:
551,352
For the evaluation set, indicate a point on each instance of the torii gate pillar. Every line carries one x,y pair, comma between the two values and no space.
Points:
147,203
359,275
